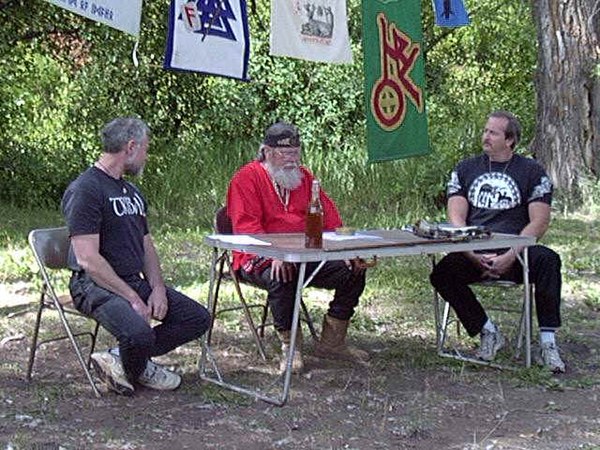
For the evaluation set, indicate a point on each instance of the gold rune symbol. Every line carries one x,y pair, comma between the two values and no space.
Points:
398,56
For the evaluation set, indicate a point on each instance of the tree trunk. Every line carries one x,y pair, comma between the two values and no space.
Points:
567,135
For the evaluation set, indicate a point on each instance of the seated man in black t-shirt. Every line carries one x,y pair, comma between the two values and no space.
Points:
116,272
508,193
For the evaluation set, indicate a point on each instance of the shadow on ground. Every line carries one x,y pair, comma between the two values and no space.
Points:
406,397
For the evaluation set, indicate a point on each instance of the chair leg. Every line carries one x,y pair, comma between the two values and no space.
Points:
525,327
306,318
93,337
213,310
444,329
67,328
309,321
441,320
36,332
247,314
263,319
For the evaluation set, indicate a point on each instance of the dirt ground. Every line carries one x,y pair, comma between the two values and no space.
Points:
406,397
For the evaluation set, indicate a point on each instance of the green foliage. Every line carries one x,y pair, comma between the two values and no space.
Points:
16,260
65,76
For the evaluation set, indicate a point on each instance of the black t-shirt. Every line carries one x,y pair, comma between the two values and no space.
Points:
96,203
499,198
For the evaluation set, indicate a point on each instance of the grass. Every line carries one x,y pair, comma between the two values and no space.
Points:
395,307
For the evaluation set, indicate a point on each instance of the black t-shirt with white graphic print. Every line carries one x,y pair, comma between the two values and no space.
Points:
499,198
96,203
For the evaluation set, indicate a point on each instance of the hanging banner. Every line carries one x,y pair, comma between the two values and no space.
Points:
124,16
450,13
209,36
394,79
315,30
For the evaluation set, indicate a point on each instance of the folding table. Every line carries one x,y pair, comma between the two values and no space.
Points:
289,247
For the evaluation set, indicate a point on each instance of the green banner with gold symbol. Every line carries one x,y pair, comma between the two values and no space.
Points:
394,79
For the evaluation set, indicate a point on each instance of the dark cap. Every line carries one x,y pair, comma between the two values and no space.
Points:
282,134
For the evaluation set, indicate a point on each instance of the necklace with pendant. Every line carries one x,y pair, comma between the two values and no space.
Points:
283,199
503,170
109,173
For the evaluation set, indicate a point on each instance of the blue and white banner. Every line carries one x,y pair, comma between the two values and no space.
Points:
209,36
119,14
450,13
316,30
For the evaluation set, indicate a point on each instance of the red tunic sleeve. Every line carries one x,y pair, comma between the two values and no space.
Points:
255,207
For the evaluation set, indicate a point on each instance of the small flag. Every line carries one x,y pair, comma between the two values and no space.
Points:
209,36
450,13
124,16
315,30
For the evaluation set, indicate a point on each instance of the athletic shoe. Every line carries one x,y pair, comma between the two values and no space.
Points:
159,378
111,372
154,376
551,358
491,342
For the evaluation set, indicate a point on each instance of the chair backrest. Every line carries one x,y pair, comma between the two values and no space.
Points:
223,223
50,247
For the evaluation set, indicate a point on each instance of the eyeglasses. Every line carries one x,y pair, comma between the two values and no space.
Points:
291,152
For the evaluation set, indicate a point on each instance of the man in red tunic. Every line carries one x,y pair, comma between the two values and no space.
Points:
271,195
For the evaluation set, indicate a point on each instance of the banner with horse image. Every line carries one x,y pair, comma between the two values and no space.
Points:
315,30
394,79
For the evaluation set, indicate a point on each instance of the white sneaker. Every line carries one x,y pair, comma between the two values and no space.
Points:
110,371
551,358
491,342
157,377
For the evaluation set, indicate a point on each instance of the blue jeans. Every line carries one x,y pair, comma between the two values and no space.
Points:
138,341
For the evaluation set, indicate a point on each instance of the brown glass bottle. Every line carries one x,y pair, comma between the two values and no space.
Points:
314,219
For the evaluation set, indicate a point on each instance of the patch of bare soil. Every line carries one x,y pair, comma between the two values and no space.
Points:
406,397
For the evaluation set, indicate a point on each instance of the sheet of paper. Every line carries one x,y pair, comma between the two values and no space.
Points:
332,236
240,239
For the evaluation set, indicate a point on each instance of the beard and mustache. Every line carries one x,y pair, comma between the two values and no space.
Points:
134,168
288,177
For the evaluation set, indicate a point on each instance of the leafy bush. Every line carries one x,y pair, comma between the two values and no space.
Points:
65,76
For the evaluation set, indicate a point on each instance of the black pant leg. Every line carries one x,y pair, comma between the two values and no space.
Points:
544,273
348,288
451,278
279,295
333,275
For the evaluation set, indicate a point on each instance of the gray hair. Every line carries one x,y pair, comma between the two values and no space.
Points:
260,154
120,131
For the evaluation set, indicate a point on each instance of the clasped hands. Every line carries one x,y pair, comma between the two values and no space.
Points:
493,265
156,307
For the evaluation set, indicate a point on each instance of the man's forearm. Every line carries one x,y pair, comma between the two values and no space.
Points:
104,276
536,230
152,270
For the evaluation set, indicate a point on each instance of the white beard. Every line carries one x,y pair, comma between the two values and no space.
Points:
288,178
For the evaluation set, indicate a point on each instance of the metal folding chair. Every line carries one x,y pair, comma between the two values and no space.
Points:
523,334
50,248
223,225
